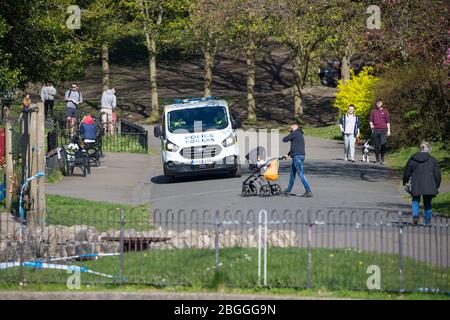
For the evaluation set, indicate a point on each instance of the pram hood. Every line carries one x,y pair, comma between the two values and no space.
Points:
87,120
255,154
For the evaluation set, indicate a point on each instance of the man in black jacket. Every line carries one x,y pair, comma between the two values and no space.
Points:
425,176
297,153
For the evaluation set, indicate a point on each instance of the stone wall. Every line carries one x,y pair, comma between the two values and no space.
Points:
61,241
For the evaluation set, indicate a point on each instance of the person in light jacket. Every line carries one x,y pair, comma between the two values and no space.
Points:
109,104
349,125
425,176
48,93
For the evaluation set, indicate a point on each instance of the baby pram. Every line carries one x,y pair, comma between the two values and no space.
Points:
262,172
76,156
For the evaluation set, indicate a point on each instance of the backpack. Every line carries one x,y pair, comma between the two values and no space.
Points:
79,94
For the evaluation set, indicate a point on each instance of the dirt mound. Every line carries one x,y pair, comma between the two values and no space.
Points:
184,78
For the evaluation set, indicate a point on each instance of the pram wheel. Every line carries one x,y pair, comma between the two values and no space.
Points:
249,190
246,192
275,189
253,189
265,190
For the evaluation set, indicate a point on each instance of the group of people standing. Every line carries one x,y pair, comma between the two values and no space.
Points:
73,98
421,172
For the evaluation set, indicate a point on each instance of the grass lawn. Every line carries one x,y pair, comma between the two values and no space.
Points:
397,160
321,293
54,177
101,215
329,132
332,270
59,108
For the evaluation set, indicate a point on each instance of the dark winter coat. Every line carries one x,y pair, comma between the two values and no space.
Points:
425,173
297,143
88,131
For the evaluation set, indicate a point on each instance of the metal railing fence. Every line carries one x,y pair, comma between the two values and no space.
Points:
332,249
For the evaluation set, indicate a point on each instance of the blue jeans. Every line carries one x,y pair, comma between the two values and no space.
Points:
297,167
415,205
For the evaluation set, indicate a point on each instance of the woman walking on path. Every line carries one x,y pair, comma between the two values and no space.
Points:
425,175
349,125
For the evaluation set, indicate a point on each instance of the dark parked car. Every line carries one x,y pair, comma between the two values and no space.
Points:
330,74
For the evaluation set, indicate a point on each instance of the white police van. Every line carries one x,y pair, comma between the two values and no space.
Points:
198,137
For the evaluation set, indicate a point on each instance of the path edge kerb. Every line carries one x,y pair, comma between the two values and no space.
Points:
150,295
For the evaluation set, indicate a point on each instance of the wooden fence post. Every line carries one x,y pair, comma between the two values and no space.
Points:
32,164
37,164
9,174
41,151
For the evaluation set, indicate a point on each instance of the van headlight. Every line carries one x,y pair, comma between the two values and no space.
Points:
229,141
172,147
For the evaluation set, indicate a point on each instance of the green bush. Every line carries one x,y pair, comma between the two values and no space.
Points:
359,91
417,98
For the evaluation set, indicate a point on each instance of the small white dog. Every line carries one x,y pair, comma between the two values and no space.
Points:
366,148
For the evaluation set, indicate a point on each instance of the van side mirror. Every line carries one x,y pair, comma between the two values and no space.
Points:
236,124
157,131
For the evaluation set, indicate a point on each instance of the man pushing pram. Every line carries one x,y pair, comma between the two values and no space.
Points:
262,173
297,153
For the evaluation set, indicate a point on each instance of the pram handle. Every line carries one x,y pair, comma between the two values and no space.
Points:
265,163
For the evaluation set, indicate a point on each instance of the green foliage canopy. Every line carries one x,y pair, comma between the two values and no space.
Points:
36,44
418,100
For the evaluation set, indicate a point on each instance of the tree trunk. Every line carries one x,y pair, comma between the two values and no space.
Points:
298,103
105,67
298,85
150,38
153,80
251,105
209,62
345,67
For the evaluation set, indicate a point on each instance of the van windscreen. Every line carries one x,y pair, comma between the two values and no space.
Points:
197,119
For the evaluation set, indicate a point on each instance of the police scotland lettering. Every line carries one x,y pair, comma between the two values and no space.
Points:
199,138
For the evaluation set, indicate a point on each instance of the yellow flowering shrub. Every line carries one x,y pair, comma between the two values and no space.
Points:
359,91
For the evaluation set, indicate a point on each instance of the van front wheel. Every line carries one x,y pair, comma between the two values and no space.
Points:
237,172
168,178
